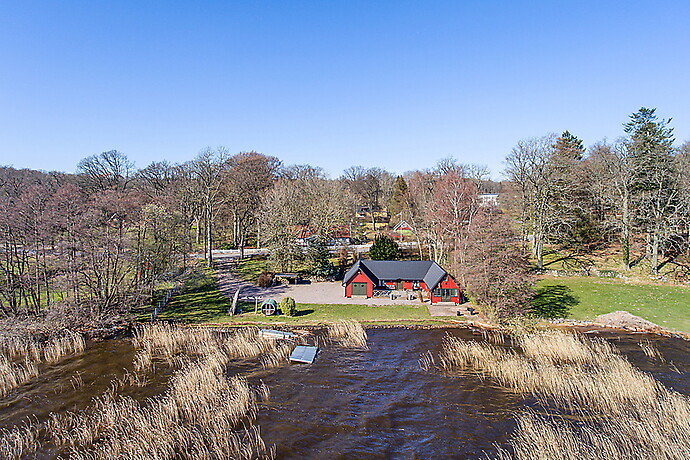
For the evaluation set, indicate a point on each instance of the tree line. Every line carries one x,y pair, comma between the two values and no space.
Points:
631,194
101,240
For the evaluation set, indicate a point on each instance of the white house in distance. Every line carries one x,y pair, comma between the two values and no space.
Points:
488,199
403,226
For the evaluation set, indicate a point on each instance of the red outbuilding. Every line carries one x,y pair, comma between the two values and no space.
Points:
369,277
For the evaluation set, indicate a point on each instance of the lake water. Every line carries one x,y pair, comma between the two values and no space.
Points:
376,403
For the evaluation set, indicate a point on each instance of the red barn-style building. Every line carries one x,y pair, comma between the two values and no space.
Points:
366,276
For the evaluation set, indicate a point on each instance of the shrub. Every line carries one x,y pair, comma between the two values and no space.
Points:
288,307
265,279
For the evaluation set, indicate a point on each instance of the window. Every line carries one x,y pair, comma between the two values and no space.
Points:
415,284
440,292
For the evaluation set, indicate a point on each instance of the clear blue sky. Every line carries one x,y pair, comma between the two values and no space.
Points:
391,84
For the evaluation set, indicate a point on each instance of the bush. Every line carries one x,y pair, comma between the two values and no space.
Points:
265,279
288,307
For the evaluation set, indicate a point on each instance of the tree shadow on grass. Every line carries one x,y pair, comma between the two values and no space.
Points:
304,312
553,302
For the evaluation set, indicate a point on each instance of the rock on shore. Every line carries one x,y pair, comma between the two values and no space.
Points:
626,320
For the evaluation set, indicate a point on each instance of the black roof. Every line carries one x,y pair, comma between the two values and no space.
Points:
389,270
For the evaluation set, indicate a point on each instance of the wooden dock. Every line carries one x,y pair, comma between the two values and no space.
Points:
273,334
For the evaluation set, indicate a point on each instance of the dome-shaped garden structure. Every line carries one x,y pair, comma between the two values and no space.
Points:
269,307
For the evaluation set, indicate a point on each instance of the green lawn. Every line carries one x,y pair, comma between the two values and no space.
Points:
199,301
250,269
585,298
316,313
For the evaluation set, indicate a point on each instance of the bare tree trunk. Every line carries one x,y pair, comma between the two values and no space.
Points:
539,249
654,269
241,245
625,234
209,238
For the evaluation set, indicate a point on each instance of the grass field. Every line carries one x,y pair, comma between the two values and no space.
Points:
585,298
581,298
315,313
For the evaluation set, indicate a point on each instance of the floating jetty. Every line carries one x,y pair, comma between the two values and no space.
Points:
303,354
273,334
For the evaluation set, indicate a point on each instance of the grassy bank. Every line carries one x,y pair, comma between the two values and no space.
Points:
216,312
585,298
318,313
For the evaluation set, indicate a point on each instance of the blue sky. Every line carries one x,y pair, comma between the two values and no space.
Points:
391,84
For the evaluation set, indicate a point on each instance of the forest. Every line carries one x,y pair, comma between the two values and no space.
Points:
97,243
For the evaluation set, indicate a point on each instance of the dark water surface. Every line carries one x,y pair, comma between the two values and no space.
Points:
380,403
376,403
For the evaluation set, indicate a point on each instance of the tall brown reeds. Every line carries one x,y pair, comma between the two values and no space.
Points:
609,409
13,374
170,343
203,415
348,334
47,351
650,350
19,440
20,357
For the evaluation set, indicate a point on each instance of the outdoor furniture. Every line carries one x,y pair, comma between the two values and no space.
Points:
293,278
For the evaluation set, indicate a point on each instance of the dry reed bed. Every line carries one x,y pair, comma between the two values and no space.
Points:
18,440
20,357
204,413
623,412
174,343
348,334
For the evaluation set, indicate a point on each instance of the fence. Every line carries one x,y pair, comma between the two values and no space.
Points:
585,272
160,306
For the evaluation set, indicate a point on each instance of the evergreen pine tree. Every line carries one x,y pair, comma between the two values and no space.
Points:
651,147
399,200
655,178
318,257
384,248
569,146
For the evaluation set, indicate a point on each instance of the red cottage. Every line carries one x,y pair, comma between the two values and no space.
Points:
367,276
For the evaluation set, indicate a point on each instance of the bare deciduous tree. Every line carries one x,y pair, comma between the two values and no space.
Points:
208,169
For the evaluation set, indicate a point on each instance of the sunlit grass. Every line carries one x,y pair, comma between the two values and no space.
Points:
667,306
250,269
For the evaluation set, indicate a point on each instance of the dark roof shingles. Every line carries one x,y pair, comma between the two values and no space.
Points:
380,270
